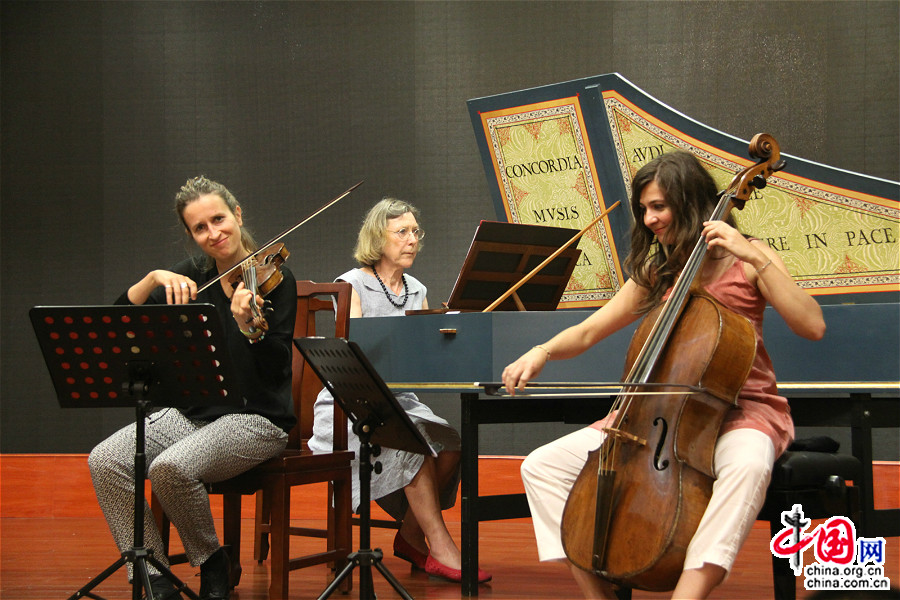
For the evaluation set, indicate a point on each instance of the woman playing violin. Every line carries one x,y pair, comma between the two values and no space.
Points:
671,198
187,448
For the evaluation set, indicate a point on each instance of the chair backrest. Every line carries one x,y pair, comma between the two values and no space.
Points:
311,299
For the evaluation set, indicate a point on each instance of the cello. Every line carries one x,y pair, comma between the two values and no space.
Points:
637,502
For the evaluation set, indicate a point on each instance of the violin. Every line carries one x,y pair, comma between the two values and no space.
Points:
638,500
261,273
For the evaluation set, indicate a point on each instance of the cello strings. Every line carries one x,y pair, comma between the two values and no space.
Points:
659,335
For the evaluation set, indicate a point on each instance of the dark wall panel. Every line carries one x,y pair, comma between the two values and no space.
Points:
107,107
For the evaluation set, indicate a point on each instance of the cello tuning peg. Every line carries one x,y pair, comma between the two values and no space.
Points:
759,182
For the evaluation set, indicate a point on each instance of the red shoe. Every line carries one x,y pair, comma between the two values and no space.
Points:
433,567
406,551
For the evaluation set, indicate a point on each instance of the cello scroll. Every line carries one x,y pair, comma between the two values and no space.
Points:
765,148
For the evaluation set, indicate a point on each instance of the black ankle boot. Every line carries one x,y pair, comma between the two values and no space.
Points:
163,589
215,576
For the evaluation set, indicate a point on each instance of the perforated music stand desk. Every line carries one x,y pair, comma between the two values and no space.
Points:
378,419
501,254
178,350
120,356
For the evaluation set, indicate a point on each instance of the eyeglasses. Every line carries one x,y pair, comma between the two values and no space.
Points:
404,233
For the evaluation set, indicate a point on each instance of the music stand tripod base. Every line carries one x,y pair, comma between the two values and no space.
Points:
378,420
365,558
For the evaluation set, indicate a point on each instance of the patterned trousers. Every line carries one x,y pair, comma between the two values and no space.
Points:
182,456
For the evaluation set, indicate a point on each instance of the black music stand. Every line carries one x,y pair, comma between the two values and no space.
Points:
115,356
501,254
378,420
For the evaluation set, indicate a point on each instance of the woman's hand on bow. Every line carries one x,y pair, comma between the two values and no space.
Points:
524,369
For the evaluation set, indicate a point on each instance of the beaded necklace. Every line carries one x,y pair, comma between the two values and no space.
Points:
388,294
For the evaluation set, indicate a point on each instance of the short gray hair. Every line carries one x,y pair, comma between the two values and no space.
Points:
372,235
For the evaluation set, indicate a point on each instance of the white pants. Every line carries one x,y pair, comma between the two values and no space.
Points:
743,465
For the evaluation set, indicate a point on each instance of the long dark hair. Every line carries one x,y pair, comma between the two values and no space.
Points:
692,195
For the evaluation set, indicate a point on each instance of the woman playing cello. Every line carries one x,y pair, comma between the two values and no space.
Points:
671,198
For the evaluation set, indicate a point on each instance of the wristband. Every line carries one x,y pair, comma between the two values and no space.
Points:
251,335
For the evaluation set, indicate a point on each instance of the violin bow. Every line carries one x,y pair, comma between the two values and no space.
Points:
279,236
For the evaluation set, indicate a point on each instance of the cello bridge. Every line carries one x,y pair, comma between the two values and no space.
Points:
619,434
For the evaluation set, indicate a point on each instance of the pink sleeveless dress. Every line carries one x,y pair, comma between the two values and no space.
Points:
759,406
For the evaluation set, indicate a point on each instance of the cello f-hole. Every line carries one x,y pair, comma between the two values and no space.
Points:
660,466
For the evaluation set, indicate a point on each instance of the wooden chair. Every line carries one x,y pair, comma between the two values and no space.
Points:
272,480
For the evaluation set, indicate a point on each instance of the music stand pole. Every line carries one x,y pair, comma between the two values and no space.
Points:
365,558
138,555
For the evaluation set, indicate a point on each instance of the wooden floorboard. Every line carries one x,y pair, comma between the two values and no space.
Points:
53,541
53,558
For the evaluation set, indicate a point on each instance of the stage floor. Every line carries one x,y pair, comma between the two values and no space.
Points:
53,541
